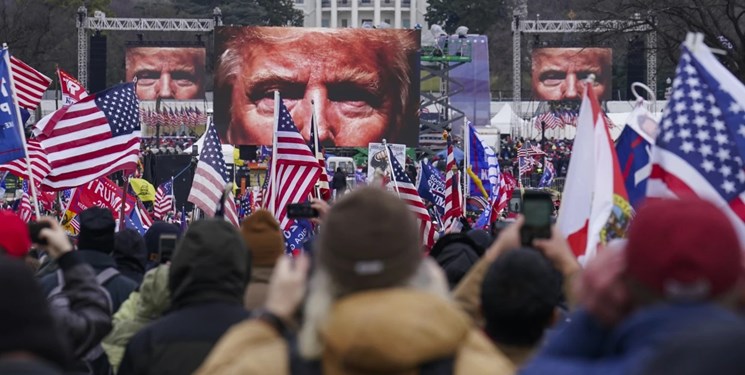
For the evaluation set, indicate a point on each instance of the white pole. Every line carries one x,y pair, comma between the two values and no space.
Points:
389,152
316,143
32,184
466,162
273,170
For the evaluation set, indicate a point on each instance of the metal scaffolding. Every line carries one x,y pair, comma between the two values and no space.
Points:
521,25
100,22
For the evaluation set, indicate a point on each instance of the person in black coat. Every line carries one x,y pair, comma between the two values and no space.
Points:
207,279
130,254
95,244
339,182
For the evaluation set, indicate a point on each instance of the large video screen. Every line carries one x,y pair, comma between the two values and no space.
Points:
167,72
363,83
557,73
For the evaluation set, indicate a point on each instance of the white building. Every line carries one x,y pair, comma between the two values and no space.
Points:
353,13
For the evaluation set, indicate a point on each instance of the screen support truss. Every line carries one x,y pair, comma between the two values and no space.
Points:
100,22
522,26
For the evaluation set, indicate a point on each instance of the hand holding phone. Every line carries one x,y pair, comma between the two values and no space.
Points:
301,211
34,229
537,208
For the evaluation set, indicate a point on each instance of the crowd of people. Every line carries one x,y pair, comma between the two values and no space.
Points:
365,297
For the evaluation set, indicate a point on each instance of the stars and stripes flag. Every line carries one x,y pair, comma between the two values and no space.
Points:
315,148
549,117
164,201
30,84
408,193
210,179
701,145
246,204
526,160
25,208
296,168
453,198
39,164
548,174
92,138
72,90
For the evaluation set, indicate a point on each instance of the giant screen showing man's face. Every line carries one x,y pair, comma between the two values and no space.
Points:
167,72
363,83
558,73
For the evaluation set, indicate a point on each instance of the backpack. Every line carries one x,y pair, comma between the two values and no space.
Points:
95,357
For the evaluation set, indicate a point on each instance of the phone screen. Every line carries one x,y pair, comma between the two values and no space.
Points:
167,247
537,212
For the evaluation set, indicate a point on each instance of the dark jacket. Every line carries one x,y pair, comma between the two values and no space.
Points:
583,346
339,182
28,367
85,317
130,254
118,287
456,253
207,279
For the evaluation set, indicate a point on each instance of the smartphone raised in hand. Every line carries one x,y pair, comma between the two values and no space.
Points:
301,211
34,229
537,208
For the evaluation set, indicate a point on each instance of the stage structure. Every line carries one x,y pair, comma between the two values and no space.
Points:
99,22
438,61
521,26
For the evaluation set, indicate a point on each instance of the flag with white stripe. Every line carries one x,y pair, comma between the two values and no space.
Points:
408,193
30,84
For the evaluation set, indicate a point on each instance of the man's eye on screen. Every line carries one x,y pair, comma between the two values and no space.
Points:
353,97
584,75
147,78
264,98
552,78
183,78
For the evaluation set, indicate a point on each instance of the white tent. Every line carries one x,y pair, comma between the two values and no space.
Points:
227,150
503,119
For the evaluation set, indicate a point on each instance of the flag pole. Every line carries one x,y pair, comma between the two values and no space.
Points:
390,155
314,131
23,133
466,162
124,203
273,170
173,198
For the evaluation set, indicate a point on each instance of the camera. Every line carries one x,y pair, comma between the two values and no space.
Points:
301,211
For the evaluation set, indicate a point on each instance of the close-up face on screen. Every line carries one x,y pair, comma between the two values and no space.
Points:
557,73
167,72
360,82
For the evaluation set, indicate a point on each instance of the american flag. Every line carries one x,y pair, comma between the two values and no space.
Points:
297,169
39,165
92,138
210,179
526,158
75,223
30,84
549,118
453,199
246,204
25,209
163,200
323,179
696,152
408,193
548,174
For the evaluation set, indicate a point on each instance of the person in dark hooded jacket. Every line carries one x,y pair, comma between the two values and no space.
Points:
456,253
208,276
152,241
95,245
130,254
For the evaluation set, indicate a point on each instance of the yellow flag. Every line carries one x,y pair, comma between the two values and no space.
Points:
144,190
476,180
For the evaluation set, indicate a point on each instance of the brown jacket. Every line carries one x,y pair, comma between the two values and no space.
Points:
390,331
257,288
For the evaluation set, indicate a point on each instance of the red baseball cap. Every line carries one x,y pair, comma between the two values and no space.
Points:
14,236
683,249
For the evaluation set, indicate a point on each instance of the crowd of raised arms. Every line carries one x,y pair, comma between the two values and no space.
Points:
364,298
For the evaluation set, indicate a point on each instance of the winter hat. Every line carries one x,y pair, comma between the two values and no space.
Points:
96,230
25,320
369,240
263,237
683,249
481,238
14,236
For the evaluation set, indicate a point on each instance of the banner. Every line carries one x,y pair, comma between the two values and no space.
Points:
11,144
144,190
100,192
431,186
377,159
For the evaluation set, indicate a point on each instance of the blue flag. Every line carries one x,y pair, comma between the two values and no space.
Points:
431,186
11,143
548,174
634,149
299,233
483,163
135,222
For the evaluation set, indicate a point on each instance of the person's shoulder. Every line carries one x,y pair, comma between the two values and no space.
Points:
477,355
48,282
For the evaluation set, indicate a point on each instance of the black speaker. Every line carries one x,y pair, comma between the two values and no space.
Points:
636,65
160,168
247,152
97,63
